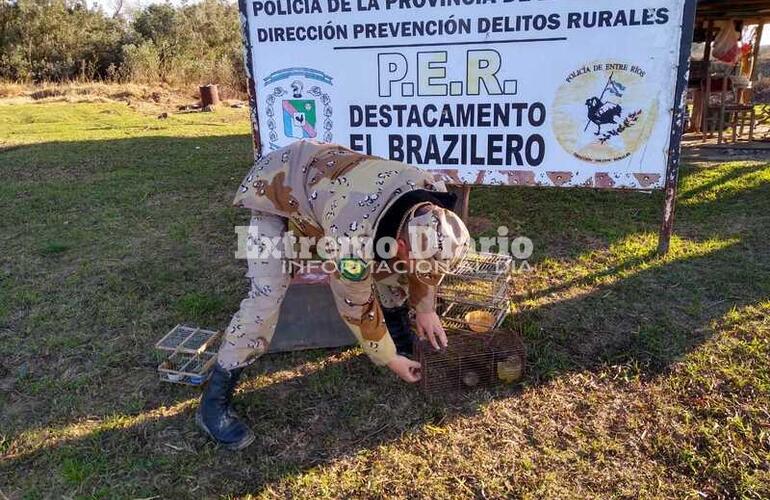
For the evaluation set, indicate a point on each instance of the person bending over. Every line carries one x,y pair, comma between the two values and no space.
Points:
329,190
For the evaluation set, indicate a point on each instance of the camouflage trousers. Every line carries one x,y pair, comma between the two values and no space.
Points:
252,328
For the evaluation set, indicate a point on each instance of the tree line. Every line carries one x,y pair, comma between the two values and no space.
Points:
65,40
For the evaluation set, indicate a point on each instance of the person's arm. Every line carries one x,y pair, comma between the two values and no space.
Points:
422,298
360,309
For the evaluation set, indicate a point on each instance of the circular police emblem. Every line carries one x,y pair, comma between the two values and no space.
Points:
353,269
298,106
605,112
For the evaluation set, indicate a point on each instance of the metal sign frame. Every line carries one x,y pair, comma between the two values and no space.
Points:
678,121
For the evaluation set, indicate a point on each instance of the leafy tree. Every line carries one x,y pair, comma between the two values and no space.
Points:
163,27
55,40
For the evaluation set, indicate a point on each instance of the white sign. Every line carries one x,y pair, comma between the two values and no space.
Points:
548,92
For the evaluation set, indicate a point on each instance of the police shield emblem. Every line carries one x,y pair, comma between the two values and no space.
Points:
299,118
299,99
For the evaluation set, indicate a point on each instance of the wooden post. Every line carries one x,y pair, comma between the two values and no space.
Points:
755,59
463,192
757,49
748,64
707,93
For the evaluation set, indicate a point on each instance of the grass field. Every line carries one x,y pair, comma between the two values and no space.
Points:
648,377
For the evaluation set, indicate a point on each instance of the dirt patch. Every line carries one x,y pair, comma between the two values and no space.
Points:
716,154
161,96
47,93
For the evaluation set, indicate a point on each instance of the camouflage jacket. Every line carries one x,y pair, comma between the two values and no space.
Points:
329,190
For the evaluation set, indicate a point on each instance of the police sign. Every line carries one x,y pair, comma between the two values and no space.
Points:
504,92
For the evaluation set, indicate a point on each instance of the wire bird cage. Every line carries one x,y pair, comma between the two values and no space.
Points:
474,296
192,355
473,302
472,360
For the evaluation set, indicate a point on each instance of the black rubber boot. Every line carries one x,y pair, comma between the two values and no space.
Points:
400,328
215,414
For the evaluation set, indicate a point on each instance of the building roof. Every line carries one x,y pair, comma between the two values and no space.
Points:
734,9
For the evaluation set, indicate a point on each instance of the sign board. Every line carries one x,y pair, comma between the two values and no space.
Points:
503,92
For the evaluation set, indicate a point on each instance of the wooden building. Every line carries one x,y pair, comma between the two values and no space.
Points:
723,78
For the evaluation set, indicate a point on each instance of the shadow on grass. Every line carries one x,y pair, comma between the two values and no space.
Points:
733,175
648,319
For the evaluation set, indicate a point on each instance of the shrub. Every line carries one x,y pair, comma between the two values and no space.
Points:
64,40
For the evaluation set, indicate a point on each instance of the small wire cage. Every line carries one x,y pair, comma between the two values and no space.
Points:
474,296
192,355
471,361
473,302
480,264
469,317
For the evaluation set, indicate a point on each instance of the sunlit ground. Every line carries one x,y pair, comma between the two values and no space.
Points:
648,377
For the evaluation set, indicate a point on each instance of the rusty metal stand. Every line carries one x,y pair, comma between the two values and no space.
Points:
677,128
669,207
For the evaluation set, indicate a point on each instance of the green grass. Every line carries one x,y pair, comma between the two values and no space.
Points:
199,306
648,377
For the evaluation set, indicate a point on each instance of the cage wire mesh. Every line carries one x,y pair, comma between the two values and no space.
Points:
192,355
472,302
472,360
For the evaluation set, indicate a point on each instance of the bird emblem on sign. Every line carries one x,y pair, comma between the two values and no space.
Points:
601,112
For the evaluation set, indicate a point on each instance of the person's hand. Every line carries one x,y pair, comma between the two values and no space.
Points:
406,369
429,325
